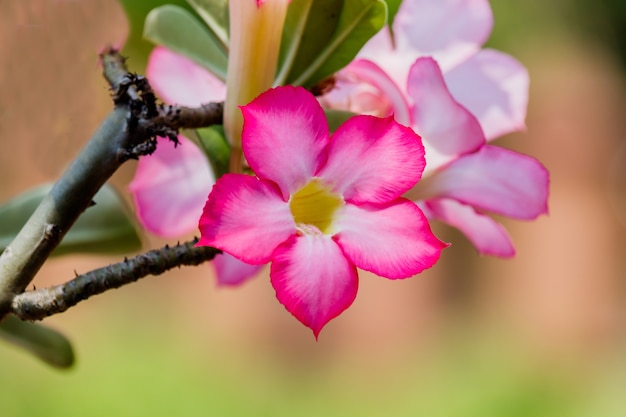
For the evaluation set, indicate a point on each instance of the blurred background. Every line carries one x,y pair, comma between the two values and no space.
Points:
543,334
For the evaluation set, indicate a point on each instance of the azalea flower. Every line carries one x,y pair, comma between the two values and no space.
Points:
430,72
319,207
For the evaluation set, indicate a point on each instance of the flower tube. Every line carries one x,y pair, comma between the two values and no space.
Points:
255,31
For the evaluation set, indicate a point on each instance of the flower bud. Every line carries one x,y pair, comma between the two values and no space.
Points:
255,31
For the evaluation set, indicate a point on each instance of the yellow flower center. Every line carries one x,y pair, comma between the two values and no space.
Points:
314,205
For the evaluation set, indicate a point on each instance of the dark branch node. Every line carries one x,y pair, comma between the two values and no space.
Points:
52,232
148,119
145,148
324,86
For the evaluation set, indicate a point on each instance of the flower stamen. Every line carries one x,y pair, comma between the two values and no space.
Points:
315,205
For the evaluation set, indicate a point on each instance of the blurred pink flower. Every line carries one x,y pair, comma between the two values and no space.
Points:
320,207
430,72
170,187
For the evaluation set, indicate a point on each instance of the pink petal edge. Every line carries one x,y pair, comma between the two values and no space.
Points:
447,128
373,160
494,87
393,241
369,72
284,136
494,179
488,236
232,272
448,30
170,187
313,279
178,80
245,217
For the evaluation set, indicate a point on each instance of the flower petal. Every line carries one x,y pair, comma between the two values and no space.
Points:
382,50
313,279
494,179
245,217
170,187
284,136
373,160
488,236
494,87
394,241
364,71
352,95
448,30
231,271
179,80
447,128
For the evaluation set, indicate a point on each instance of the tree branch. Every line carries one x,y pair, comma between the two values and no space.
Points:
67,199
38,304
149,117
127,132
179,117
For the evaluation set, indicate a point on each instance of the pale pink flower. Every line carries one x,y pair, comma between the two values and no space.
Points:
170,187
433,75
321,206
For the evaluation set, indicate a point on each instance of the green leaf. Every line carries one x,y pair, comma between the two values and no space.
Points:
295,36
136,47
215,15
336,118
45,343
104,228
392,9
215,146
303,37
334,33
179,30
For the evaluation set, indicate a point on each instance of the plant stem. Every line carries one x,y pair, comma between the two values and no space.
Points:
69,197
38,304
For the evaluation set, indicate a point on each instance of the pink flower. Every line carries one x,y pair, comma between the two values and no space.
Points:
435,77
320,207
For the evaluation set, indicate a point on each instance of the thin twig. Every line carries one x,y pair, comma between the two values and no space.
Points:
41,303
179,117
114,68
